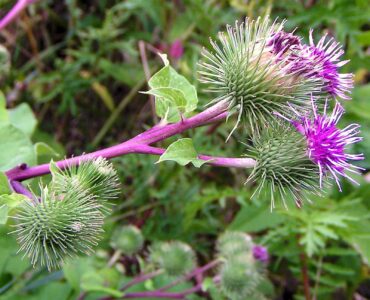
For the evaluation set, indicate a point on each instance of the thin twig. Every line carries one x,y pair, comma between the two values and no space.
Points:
115,257
144,61
317,279
116,113
304,272
141,278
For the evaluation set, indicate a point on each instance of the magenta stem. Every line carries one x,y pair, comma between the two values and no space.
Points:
140,144
194,273
19,188
14,12
141,278
167,295
162,132
211,160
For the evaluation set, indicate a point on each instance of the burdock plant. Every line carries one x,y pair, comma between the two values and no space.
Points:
264,78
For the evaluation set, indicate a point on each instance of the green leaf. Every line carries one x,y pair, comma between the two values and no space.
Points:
170,102
16,148
7,204
175,96
207,284
183,152
74,270
42,149
254,218
96,282
4,210
4,118
23,118
4,185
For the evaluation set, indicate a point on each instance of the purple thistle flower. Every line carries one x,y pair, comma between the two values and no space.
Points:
282,41
176,49
322,61
260,253
326,143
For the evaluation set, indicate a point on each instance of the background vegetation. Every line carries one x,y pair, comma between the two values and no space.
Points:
72,85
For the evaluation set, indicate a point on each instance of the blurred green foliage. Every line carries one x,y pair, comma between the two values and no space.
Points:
74,63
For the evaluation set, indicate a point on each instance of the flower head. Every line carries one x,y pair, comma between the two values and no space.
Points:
250,67
322,61
176,49
326,143
233,243
283,169
58,226
260,253
128,239
282,41
175,258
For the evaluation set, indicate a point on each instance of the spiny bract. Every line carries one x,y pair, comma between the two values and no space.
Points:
246,69
58,226
283,168
96,177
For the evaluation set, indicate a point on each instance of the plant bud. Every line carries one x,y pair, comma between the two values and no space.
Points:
283,168
233,243
128,239
176,258
239,280
58,226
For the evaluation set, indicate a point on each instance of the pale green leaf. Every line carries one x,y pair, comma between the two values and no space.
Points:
98,282
207,284
4,185
16,148
174,94
4,118
23,118
44,149
4,210
254,218
7,204
183,152
326,231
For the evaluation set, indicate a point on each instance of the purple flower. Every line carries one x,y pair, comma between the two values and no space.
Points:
176,49
322,61
260,253
282,41
326,143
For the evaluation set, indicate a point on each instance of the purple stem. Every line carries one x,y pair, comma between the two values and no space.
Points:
20,189
167,295
140,144
212,160
162,132
160,293
141,278
14,12
194,273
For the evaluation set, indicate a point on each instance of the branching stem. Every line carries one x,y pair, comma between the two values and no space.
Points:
141,144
